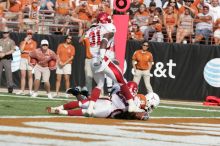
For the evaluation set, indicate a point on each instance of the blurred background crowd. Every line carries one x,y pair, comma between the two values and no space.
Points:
180,21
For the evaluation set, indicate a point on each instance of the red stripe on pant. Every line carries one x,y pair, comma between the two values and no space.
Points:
73,104
118,75
77,112
124,88
95,94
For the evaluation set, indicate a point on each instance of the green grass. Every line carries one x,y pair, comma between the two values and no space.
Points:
12,105
165,112
25,106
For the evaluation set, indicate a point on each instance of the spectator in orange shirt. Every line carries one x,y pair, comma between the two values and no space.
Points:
26,46
94,4
103,7
32,21
15,6
15,12
135,33
26,4
185,26
62,11
170,22
190,4
141,17
85,13
157,35
142,62
2,20
43,55
65,55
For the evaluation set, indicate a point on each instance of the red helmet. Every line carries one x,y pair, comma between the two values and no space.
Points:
103,18
133,87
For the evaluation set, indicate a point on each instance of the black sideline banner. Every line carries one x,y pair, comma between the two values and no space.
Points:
177,72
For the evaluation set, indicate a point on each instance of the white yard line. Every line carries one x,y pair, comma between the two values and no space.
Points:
180,102
29,97
52,116
188,108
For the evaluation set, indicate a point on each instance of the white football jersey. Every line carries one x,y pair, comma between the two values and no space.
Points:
95,35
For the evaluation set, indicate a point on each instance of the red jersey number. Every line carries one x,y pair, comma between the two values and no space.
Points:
95,38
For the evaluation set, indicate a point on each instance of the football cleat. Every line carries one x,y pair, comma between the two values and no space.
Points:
85,91
74,91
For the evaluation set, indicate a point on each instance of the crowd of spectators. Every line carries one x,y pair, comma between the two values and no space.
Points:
180,21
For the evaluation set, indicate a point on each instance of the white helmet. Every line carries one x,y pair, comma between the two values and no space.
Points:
153,101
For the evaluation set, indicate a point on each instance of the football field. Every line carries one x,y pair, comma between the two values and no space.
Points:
24,122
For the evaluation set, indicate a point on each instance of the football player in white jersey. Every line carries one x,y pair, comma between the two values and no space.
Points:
102,36
115,106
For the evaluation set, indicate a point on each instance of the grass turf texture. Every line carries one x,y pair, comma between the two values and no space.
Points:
13,105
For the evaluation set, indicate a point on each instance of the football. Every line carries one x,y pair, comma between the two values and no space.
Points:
141,115
33,61
52,64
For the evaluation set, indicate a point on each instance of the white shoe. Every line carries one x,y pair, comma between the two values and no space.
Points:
20,93
31,93
49,95
35,94
67,95
55,95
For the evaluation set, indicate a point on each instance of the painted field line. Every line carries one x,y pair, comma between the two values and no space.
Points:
165,117
29,97
52,116
188,108
14,117
31,100
180,102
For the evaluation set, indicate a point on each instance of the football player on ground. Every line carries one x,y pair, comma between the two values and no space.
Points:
115,106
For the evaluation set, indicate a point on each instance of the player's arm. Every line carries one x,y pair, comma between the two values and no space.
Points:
104,43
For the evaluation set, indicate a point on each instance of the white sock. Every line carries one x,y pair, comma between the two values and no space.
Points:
63,112
60,107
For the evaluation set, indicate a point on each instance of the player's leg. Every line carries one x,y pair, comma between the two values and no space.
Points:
70,108
103,108
99,79
89,74
109,83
